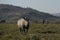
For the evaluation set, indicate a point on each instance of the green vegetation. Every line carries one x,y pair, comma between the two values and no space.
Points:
36,32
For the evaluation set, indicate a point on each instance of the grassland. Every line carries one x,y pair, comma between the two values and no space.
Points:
36,32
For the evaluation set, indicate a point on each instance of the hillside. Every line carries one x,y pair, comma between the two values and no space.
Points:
56,14
12,13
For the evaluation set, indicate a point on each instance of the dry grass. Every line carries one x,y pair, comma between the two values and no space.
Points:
36,32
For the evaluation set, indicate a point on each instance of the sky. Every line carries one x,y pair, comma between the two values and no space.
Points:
49,6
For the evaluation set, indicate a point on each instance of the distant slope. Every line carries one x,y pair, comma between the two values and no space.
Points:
56,14
12,13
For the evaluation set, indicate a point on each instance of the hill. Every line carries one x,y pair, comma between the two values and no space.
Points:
56,14
12,13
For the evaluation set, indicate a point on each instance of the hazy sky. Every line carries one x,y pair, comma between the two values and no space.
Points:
50,6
